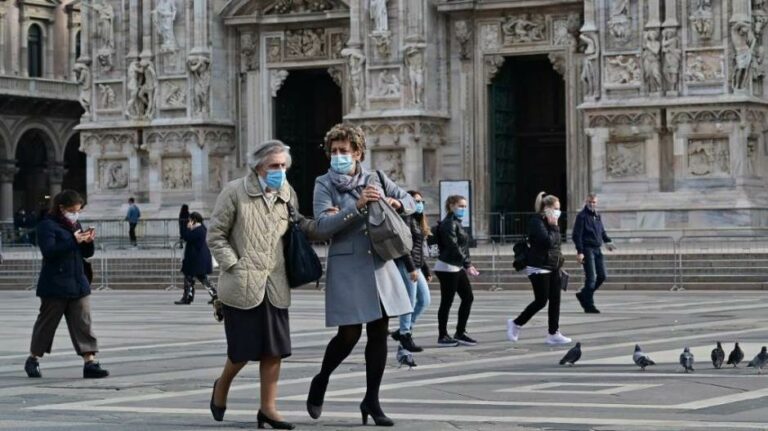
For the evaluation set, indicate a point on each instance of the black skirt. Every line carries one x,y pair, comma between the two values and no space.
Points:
260,332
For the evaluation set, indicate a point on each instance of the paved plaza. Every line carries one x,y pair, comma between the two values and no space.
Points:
164,358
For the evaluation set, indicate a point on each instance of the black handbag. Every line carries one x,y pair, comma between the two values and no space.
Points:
521,249
301,262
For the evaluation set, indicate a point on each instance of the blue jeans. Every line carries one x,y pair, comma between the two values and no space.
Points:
418,293
594,275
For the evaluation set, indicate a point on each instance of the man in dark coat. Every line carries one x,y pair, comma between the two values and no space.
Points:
588,237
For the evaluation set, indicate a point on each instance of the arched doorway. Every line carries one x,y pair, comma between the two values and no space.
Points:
30,185
306,107
74,165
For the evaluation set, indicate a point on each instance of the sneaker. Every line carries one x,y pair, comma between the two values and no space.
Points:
465,340
406,341
447,341
395,335
513,331
32,367
580,297
92,370
556,339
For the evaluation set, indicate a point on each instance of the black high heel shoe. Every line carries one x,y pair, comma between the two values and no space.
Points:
262,419
316,396
216,411
380,420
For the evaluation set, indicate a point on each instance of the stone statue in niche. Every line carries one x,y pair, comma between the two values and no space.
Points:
523,28
589,65
107,96
622,69
116,176
625,159
142,86
743,40
83,79
133,108
463,36
388,84
148,88
708,157
619,21
702,19
200,71
378,13
164,15
672,55
248,52
414,60
175,97
356,61
104,22
652,61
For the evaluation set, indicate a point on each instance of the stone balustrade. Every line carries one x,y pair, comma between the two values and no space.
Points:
38,88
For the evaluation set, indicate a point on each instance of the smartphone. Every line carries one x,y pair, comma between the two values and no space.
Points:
89,229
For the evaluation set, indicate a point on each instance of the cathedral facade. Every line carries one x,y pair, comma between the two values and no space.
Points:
659,106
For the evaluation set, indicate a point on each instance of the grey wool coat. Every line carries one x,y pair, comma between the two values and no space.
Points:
358,283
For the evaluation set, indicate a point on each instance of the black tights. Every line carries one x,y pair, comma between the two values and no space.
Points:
341,346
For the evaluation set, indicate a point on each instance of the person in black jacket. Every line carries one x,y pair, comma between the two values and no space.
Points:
183,220
62,286
545,260
197,263
588,236
451,269
416,274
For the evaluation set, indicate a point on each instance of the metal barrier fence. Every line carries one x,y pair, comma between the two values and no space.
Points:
506,227
20,267
741,260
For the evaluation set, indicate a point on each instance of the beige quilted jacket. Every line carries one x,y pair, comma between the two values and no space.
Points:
245,236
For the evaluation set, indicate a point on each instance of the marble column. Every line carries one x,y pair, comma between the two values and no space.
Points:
201,26
133,30
7,172
146,29
2,40
55,173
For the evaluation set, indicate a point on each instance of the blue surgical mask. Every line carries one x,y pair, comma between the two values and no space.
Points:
275,179
342,163
557,213
419,207
460,212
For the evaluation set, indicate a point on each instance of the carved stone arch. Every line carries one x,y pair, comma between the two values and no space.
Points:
258,7
54,152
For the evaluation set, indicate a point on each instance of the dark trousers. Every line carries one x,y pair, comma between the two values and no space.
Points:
594,275
77,313
132,233
546,288
452,283
189,283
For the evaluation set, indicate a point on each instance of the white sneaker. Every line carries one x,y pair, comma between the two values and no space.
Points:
557,338
513,331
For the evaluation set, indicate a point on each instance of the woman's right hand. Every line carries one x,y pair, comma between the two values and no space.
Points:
552,220
473,271
415,275
81,237
370,194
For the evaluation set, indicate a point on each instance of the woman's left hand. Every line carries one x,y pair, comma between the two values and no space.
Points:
473,271
415,276
394,203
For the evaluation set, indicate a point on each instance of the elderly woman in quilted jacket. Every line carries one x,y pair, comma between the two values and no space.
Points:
245,237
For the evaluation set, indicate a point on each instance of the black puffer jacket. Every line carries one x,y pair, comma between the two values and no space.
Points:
545,250
417,259
453,242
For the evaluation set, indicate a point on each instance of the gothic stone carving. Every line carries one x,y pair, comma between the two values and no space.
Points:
356,62
708,157
177,173
200,71
113,174
276,79
337,74
107,97
558,62
391,163
216,173
652,61
623,119
622,70
619,23
109,142
83,79
274,50
672,55
248,52
105,32
305,43
382,41
388,84
704,66
743,40
300,6
142,85
378,13
163,16
589,68
563,30
338,40
708,116
625,159
174,95
414,61
492,65
523,29
702,19
750,168
491,36
463,36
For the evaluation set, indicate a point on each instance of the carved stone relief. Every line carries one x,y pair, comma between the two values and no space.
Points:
558,62
706,116
107,97
652,61
356,64
337,74
249,52
142,86
625,159
704,66
708,157
524,29
743,39
622,70
672,55
216,173
276,79
702,19
491,36
750,168
382,41
104,16
274,50
177,173
391,163
200,72
338,40
387,84
305,43
492,65
377,10
83,79
163,17
563,29
463,36
429,166
620,21
414,62
299,6
589,67
173,95
113,174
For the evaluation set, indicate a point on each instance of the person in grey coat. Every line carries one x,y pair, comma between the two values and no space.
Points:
360,287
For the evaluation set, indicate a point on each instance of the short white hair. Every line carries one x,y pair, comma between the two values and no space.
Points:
267,149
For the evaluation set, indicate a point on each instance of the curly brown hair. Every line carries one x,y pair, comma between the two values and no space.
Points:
345,132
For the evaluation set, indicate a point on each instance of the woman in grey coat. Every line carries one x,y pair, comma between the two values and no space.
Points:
360,287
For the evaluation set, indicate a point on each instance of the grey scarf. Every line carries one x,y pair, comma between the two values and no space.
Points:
348,183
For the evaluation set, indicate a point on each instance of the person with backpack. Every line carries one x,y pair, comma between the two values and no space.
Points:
416,274
452,269
544,261
197,263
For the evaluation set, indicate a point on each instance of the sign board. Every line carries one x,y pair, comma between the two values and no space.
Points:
457,187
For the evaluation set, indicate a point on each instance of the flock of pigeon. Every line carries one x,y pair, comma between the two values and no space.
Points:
642,359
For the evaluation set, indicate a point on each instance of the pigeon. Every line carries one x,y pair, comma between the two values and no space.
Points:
641,358
686,360
573,355
718,355
404,357
736,356
760,361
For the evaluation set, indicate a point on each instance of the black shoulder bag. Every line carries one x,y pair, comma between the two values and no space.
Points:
301,262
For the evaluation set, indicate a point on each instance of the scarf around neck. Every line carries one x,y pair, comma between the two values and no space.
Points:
347,183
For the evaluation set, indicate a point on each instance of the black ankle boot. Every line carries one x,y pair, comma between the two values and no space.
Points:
92,370
262,419
379,418
186,297
32,367
316,396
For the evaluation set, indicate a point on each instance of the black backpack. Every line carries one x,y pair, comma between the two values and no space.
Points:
521,249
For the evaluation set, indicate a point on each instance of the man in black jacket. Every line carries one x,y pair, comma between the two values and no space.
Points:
588,236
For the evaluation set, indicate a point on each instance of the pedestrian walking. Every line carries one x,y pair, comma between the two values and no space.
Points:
62,285
416,274
183,220
361,288
197,263
132,217
589,236
453,268
249,220
545,259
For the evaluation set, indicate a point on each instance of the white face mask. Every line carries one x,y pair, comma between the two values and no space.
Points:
72,217
557,213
